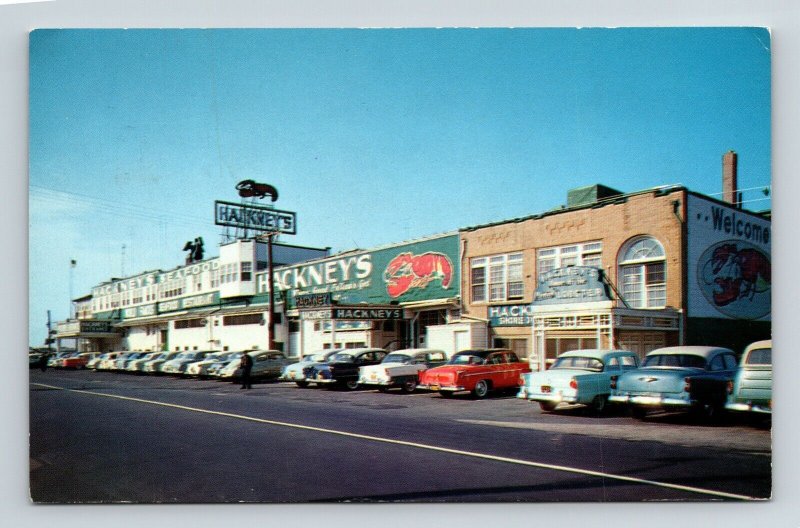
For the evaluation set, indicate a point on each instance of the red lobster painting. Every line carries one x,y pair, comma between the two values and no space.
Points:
738,273
407,271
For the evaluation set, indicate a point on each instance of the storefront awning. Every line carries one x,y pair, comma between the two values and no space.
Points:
433,303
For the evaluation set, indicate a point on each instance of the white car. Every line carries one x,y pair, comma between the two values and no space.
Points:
154,365
137,365
178,364
295,371
200,368
401,368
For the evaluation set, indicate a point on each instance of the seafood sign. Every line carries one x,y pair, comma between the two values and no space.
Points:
407,271
736,278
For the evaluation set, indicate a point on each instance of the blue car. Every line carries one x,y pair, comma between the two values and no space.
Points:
689,378
751,388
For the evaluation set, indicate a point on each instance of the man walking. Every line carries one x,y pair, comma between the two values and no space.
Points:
246,364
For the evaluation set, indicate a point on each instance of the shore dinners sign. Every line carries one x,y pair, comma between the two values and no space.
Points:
574,284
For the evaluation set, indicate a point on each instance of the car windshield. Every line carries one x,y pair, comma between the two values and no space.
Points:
344,358
397,358
577,362
674,360
466,359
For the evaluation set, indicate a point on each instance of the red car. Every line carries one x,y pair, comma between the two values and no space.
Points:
78,361
476,371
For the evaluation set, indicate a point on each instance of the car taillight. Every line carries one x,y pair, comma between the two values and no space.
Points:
614,382
573,383
521,380
687,385
730,387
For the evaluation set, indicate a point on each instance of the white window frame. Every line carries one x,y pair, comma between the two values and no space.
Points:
561,256
637,264
498,270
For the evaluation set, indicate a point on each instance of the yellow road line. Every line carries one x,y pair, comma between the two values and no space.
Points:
483,456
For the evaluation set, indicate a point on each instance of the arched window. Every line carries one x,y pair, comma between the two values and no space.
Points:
643,273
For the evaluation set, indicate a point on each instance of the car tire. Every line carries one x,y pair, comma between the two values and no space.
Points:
481,389
638,413
382,388
598,404
708,412
548,406
351,385
302,384
409,386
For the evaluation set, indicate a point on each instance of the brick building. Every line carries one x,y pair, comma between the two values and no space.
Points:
637,271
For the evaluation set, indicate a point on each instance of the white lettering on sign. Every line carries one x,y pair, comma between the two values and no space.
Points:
331,274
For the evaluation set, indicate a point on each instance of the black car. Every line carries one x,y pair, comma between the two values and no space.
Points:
342,369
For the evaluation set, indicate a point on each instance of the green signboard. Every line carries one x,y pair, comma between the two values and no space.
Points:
418,271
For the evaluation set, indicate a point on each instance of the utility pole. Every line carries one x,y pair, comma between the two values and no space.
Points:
49,339
271,293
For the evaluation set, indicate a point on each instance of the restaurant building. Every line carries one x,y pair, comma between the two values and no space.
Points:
635,271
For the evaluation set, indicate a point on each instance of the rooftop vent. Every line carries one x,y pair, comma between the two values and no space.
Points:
589,195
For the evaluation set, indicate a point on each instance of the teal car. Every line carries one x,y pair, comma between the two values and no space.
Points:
577,377
688,378
751,388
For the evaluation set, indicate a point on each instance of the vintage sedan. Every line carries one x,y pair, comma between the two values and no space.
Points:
77,361
137,365
121,363
690,378
153,366
751,388
215,369
477,371
342,368
199,369
578,377
177,365
266,364
296,371
401,368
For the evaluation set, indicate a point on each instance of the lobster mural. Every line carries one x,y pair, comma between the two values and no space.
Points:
248,188
407,271
738,273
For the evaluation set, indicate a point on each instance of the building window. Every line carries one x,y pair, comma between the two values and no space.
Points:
497,278
189,323
230,320
643,273
247,269
585,254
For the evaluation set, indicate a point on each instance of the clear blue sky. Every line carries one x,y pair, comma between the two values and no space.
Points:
371,136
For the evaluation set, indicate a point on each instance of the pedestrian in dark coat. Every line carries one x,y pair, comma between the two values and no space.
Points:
246,364
43,361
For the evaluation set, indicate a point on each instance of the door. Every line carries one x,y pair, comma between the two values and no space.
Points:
461,340
164,342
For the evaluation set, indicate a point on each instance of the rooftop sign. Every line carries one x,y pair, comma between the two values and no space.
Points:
575,284
255,217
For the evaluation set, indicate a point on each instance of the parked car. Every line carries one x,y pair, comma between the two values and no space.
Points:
137,365
477,371
579,377
215,369
154,365
401,368
178,364
93,363
78,361
55,360
296,371
200,368
342,368
108,361
266,364
691,378
33,359
751,388
122,360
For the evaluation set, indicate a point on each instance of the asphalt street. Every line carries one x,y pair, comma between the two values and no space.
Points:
109,437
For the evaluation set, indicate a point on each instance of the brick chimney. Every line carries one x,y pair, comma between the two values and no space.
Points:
730,189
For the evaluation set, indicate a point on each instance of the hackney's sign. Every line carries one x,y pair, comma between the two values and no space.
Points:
510,315
574,284
255,217
353,313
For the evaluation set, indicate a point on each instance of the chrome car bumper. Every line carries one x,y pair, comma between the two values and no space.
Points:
445,388
651,401
749,407
547,397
